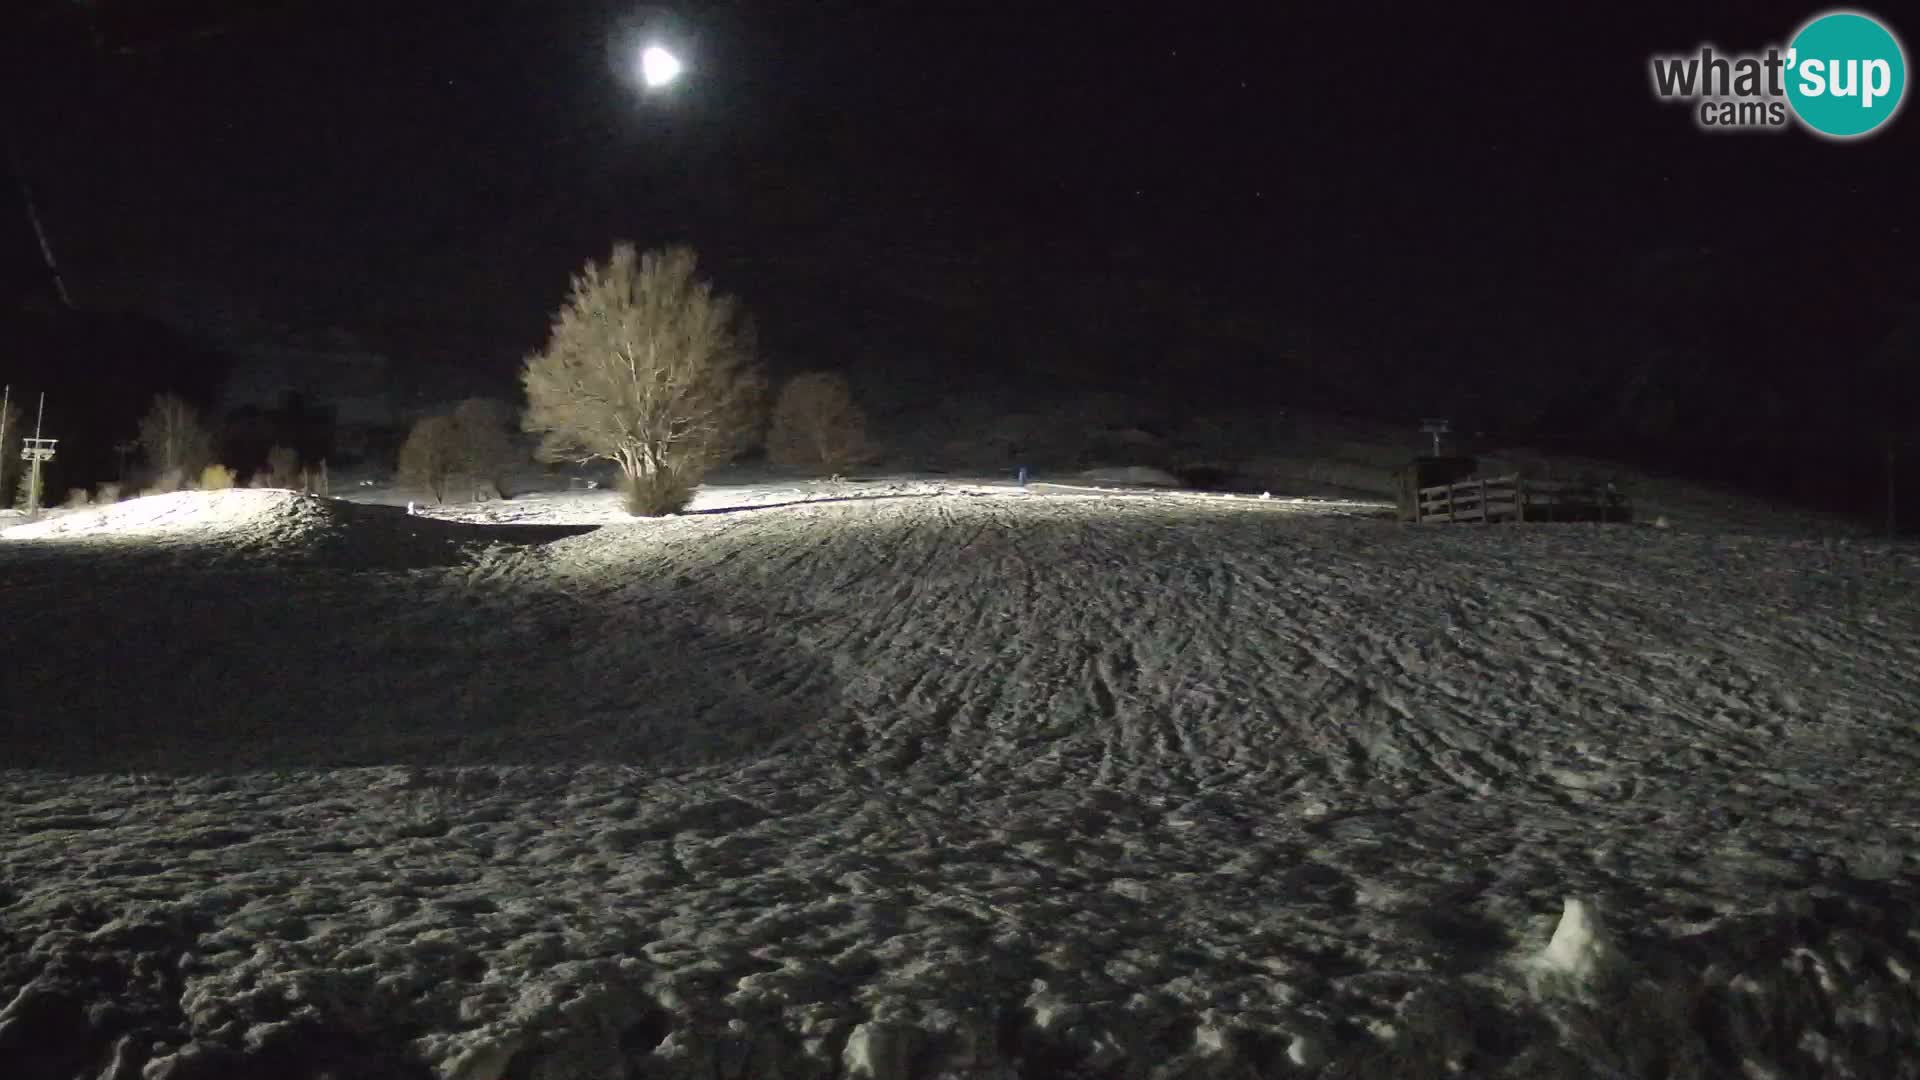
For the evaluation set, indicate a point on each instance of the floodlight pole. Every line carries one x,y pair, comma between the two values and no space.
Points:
33,484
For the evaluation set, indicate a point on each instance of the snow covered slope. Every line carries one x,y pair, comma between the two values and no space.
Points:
961,782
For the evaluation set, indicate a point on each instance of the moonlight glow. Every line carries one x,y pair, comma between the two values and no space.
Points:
658,67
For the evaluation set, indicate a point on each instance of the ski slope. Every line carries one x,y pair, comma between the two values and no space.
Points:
960,780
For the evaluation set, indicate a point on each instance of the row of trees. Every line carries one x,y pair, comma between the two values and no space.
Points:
815,424
471,442
179,448
645,367
178,451
648,368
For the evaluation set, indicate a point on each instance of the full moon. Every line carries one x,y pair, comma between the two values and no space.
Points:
658,67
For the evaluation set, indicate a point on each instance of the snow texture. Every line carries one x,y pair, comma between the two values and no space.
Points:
913,778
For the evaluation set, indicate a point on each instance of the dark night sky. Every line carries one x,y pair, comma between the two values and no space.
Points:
1485,188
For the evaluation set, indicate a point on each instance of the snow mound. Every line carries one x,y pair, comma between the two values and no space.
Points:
275,525
1581,948
193,514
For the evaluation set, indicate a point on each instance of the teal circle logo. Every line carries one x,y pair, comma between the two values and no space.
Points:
1846,74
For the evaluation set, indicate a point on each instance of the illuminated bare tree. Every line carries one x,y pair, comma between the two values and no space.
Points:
648,369
816,423
431,455
486,446
283,463
177,445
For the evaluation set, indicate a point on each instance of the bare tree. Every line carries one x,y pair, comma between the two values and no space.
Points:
817,423
431,455
486,446
174,440
648,369
283,463
120,451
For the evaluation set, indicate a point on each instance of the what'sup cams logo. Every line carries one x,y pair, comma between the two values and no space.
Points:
1842,76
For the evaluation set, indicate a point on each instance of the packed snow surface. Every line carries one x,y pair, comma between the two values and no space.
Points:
936,779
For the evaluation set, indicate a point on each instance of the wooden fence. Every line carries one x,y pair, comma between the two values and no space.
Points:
1515,498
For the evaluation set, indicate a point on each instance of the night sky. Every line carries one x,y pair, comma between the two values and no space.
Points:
1369,205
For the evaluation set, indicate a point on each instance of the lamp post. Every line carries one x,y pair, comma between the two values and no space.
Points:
6,404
